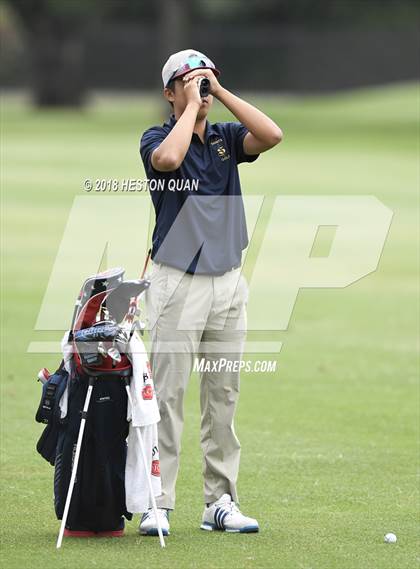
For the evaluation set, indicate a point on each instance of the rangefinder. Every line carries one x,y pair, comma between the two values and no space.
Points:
204,86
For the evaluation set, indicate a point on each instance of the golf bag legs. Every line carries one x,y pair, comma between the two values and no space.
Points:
75,462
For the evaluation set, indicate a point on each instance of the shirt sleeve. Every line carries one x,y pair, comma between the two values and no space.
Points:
150,140
238,132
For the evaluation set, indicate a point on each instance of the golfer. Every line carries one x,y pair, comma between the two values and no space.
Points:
196,304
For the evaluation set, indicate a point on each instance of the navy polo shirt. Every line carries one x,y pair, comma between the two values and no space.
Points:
200,218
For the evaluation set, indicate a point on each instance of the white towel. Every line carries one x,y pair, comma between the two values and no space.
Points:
137,497
146,410
144,416
67,350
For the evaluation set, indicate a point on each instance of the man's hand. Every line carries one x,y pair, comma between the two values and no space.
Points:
169,155
192,92
215,86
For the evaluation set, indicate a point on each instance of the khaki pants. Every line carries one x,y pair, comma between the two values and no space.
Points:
197,316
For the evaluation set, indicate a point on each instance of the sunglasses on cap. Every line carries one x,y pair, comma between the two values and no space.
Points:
193,63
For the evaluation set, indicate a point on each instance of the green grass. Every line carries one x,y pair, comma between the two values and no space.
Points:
329,442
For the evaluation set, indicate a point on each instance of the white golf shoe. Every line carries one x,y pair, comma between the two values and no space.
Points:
148,525
224,515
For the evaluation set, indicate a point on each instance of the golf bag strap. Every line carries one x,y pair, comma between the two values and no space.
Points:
49,413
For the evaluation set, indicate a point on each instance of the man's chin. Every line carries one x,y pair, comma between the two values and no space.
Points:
203,111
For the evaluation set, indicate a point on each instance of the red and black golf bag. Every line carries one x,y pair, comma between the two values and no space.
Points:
89,389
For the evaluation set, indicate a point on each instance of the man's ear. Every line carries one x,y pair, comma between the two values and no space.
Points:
169,94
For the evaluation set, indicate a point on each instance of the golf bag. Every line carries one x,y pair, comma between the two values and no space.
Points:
98,501
84,405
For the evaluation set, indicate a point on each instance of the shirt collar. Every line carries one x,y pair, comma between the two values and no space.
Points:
210,131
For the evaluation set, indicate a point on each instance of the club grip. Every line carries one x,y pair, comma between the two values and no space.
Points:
43,375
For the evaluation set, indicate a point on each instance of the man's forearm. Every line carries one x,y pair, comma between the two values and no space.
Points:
259,125
171,152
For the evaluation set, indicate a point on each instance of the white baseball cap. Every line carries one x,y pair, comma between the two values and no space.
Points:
184,61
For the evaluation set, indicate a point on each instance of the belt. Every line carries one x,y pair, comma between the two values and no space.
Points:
220,274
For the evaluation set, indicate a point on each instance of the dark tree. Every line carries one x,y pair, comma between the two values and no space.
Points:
56,31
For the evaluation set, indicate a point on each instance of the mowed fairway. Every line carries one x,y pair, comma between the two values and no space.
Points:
329,442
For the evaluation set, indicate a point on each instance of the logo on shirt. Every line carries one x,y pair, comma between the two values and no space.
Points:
222,153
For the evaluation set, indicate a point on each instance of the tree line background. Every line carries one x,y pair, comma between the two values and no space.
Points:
61,49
